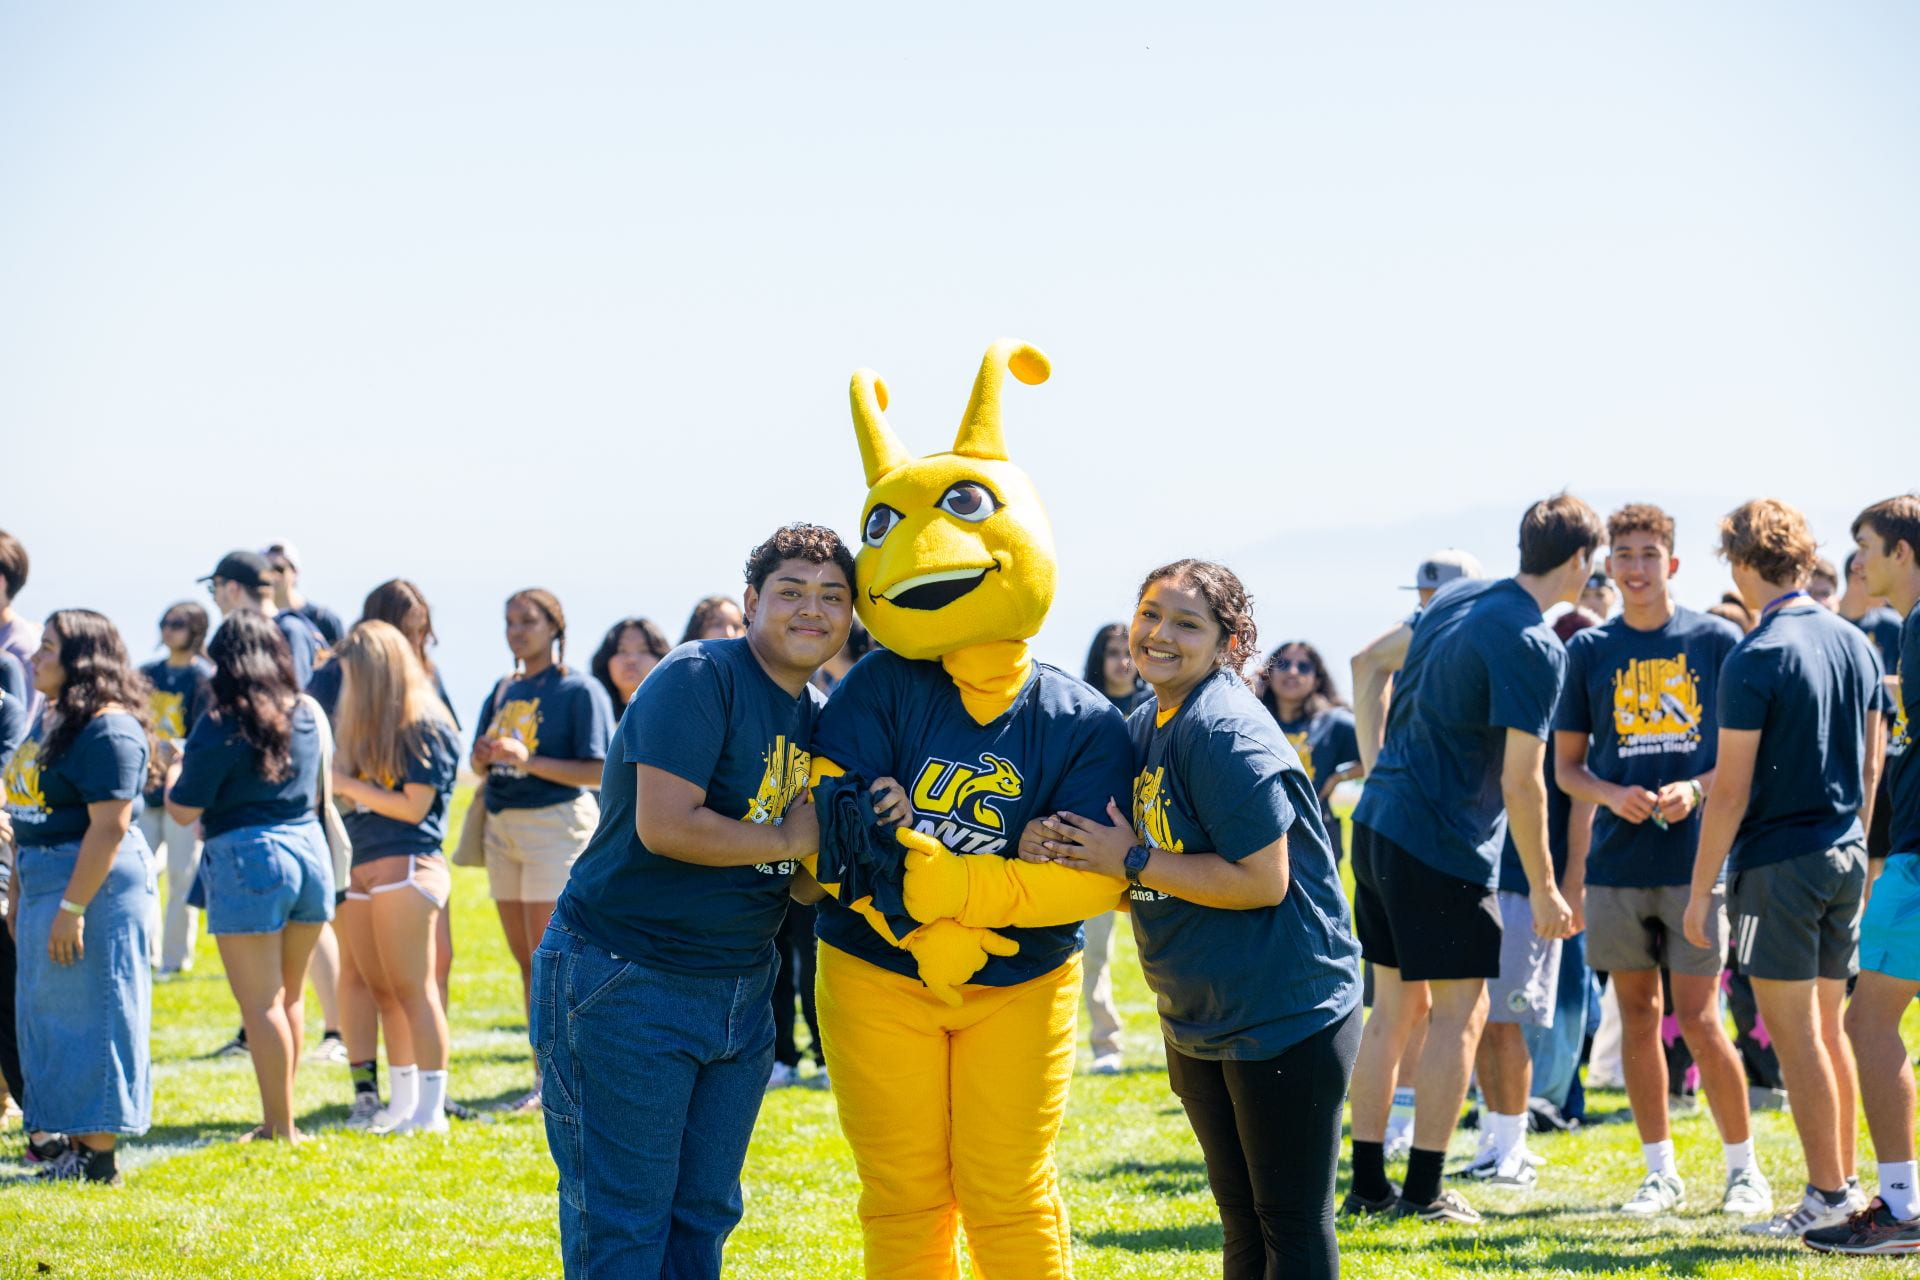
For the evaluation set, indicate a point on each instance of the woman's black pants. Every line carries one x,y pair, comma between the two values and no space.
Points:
1270,1132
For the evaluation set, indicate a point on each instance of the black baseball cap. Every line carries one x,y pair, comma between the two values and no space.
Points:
248,568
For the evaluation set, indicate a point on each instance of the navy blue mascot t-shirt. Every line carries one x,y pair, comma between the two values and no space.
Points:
48,799
709,713
561,716
1903,770
1220,777
435,762
220,773
1325,743
1060,747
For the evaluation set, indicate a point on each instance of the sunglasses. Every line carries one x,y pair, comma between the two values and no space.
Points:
174,624
1299,666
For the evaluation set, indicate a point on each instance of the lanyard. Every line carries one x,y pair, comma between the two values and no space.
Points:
1777,601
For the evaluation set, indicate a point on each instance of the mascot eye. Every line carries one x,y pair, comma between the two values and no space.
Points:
969,501
880,522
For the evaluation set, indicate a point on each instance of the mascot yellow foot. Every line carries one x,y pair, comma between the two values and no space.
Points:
951,1047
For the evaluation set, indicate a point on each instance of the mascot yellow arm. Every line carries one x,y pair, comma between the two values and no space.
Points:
985,892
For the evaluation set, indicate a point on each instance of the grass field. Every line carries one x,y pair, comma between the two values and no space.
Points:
479,1201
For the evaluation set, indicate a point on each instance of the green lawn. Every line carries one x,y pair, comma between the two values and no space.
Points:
479,1202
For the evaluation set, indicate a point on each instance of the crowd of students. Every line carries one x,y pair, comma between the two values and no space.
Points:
1677,799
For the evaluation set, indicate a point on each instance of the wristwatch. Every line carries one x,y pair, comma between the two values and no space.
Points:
1137,862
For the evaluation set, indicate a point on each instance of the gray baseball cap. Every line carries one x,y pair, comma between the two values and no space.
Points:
1443,567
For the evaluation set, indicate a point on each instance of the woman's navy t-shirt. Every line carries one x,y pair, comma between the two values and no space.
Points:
1325,743
1648,702
710,714
974,787
1805,678
179,696
220,774
1220,777
559,716
48,799
435,765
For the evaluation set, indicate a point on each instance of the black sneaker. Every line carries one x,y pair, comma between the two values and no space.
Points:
47,1151
1355,1203
1872,1231
234,1048
1448,1206
77,1164
459,1111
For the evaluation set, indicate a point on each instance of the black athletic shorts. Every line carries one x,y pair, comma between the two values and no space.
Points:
1422,922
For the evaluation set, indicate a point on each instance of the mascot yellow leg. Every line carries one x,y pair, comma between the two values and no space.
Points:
911,1072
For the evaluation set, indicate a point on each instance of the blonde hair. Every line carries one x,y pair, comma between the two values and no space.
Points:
1772,539
387,705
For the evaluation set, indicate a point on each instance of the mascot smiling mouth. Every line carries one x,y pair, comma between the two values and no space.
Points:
934,590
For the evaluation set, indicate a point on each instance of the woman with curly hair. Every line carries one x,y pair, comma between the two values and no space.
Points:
250,776
82,910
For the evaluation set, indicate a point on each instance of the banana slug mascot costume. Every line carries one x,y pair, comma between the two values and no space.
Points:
951,1048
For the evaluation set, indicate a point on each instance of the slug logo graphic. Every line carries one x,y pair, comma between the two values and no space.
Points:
963,791
785,778
24,800
518,719
1656,706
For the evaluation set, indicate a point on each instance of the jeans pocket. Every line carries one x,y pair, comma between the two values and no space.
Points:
592,974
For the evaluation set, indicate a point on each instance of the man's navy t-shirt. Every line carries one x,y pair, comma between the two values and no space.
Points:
1513,872
1061,746
1482,661
1648,701
14,689
48,799
220,773
304,642
1882,626
1805,678
325,621
710,714
560,716
1903,768
1219,777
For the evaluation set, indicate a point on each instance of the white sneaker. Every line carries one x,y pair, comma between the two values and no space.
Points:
1520,1170
386,1121
331,1049
783,1075
1106,1064
1399,1140
1657,1193
1748,1193
365,1107
436,1124
1811,1214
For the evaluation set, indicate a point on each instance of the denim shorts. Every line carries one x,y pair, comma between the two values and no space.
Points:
261,879
84,1026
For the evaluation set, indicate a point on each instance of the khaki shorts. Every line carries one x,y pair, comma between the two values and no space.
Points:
530,852
1634,929
426,872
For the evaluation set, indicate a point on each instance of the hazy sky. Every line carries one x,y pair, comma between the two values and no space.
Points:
496,295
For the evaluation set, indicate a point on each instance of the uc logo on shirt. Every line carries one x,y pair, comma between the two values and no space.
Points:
1656,706
965,791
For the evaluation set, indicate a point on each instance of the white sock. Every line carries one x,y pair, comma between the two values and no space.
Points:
1897,1189
1659,1157
433,1098
1402,1103
403,1090
1509,1132
1739,1156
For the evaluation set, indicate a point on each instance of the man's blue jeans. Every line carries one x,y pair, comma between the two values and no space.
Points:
652,1082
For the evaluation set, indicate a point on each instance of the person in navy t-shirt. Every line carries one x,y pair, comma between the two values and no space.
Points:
1465,742
1798,759
652,1018
179,694
1636,736
1305,701
1888,536
244,580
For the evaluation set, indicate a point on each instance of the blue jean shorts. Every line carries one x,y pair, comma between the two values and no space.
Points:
1890,929
261,879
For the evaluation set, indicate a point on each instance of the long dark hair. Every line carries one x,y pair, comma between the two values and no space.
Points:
1325,694
254,688
703,612
610,644
196,619
395,602
98,676
1096,672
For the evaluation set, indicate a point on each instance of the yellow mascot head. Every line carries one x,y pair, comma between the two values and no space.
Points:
956,549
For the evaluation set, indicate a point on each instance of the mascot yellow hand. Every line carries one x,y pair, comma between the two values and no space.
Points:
950,954
936,877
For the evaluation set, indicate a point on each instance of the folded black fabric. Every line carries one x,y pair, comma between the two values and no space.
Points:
860,854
